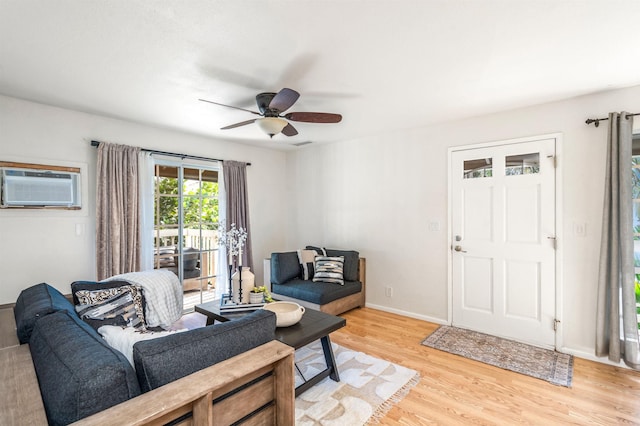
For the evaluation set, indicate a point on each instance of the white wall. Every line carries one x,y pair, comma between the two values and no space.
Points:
379,194
42,245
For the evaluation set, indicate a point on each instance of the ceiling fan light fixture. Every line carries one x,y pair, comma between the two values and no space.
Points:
272,125
271,106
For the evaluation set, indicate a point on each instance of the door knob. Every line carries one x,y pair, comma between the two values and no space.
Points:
459,248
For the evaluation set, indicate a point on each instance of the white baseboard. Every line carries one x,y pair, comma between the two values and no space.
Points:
407,314
589,356
575,352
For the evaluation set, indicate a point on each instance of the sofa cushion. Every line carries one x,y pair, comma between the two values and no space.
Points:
35,302
161,361
351,261
329,269
78,373
284,267
319,293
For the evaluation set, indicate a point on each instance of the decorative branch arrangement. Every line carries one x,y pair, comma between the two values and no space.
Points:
233,239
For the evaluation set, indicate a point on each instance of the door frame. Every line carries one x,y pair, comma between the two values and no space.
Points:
558,222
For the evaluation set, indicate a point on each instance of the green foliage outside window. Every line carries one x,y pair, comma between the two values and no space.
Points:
200,204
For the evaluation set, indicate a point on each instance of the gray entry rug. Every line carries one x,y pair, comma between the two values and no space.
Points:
545,364
367,389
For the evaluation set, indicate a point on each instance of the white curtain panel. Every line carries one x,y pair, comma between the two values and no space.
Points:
146,181
222,278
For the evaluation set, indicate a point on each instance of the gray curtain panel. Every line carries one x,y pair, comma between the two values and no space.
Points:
117,210
235,183
616,280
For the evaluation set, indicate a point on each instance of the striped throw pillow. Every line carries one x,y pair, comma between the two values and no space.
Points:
329,269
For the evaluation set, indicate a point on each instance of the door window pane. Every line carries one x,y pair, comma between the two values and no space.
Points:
480,168
166,212
167,180
186,223
524,164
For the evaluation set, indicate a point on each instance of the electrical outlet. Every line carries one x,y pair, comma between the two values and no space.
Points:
388,291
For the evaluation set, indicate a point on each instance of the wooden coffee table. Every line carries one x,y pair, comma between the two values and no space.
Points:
314,325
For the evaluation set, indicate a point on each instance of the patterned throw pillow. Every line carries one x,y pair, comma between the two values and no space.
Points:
306,258
329,269
321,251
111,304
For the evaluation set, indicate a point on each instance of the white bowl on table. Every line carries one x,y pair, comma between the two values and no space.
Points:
287,313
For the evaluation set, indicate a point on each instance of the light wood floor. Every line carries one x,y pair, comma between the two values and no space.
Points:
455,390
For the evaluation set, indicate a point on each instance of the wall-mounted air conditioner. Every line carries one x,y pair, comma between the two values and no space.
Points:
40,188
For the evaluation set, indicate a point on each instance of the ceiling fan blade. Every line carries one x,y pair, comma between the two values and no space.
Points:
243,123
230,106
314,117
289,130
283,100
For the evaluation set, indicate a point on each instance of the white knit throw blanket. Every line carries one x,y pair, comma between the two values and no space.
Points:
162,293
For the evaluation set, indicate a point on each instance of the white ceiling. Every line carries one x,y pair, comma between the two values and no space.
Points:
384,65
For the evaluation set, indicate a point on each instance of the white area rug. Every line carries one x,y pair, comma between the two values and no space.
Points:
368,388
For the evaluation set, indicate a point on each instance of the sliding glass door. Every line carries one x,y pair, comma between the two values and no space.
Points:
186,210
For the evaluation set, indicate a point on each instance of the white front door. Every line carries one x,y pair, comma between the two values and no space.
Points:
503,240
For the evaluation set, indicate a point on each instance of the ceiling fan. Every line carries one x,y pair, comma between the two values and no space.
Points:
272,105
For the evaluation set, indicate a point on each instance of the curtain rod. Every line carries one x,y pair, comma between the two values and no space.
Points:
597,121
171,154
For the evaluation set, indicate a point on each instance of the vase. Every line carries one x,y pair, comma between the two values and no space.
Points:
256,297
248,281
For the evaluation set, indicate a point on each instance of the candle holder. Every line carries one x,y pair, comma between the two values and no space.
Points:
227,299
240,285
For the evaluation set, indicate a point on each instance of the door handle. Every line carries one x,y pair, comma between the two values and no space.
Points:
459,248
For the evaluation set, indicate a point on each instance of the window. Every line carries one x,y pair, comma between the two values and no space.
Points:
186,210
635,168
525,164
478,168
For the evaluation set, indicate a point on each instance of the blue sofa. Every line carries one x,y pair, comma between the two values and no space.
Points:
284,272
79,374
